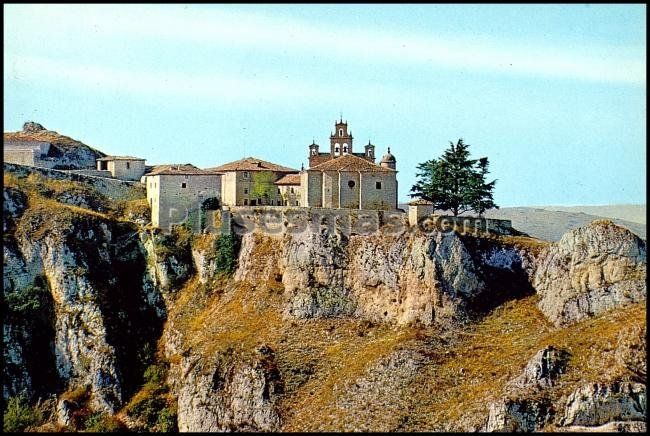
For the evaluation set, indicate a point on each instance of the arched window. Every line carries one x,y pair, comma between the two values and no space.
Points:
345,148
340,132
337,149
313,152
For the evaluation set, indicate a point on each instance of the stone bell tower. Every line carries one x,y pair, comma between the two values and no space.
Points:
340,140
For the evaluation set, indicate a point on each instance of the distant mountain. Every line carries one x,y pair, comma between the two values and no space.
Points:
629,212
550,225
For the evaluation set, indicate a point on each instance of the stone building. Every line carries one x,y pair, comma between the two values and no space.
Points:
418,209
27,152
289,187
251,182
175,191
340,145
122,167
351,182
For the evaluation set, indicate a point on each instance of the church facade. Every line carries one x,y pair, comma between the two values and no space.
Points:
343,179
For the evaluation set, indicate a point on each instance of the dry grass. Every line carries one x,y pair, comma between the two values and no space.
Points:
487,355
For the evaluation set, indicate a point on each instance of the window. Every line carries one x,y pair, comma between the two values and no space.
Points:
337,149
183,185
378,185
340,132
297,204
186,176
253,202
245,201
351,184
345,148
292,190
272,203
128,165
245,190
313,152
278,190
246,174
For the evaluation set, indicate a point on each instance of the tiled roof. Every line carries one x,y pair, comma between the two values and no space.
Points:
107,158
289,179
253,164
179,169
350,162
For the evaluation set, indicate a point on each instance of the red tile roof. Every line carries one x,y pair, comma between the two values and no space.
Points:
349,162
252,164
289,179
179,169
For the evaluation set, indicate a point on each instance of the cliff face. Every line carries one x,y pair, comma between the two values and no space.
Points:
83,278
319,331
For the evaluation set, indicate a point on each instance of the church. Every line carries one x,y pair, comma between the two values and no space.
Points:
348,180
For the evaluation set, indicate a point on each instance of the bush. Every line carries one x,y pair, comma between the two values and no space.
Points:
18,415
155,374
227,247
103,423
27,300
166,421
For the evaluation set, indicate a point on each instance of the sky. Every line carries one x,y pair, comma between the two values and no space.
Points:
553,95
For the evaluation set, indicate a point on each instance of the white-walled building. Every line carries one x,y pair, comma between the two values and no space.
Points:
122,167
173,191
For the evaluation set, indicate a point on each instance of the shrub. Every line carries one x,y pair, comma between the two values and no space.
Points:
27,300
227,247
18,415
166,421
155,374
103,423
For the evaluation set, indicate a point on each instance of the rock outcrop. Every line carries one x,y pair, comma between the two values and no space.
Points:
590,270
597,404
228,393
541,371
83,279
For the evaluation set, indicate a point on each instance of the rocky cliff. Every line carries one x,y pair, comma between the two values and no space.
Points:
318,330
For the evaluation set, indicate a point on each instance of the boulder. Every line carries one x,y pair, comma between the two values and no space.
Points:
591,270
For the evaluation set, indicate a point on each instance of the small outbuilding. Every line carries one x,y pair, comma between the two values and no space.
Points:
122,167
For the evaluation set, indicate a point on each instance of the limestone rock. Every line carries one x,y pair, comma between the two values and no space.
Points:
226,393
590,270
518,415
631,351
32,127
541,371
13,205
610,427
597,404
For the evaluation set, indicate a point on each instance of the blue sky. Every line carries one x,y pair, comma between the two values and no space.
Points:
554,95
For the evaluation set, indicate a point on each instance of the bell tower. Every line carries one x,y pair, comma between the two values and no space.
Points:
340,139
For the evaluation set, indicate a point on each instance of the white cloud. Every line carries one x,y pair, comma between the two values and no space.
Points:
277,34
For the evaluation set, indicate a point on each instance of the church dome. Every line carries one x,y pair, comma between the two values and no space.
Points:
388,158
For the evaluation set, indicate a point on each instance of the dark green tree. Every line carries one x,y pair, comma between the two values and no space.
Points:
455,182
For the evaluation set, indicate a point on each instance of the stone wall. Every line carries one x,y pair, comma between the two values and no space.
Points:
19,156
126,169
384,197
171,203
112,188
286,219
468,224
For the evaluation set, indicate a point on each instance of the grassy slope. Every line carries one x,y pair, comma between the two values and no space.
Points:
318,359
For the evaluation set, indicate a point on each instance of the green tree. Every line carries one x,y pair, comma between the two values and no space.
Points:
455,182
263,185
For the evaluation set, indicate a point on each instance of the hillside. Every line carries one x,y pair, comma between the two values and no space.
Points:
551,225
70,152
116,326
635,213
